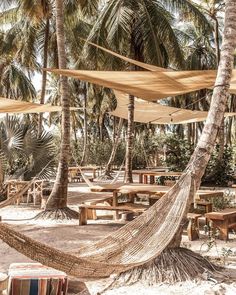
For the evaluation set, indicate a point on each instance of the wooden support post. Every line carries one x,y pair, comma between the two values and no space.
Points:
115,203
82,216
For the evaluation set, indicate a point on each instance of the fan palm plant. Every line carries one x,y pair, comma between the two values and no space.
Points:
22,153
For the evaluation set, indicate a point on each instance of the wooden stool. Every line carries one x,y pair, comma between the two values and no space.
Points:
193,226
207,205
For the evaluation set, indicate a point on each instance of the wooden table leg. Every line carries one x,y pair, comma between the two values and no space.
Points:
131,197
145,179
224,231
115,203
152,179
140,178
82,216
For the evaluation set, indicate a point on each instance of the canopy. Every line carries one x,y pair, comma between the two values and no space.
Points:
149,112
150,85
18,106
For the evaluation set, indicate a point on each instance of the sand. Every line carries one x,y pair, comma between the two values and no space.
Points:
69,236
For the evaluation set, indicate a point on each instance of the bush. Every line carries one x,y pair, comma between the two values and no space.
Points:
220,172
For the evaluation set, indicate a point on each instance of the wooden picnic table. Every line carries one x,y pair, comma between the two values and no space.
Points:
151,174
153,191
75,170
223,220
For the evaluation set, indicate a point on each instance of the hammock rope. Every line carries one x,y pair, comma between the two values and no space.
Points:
136,243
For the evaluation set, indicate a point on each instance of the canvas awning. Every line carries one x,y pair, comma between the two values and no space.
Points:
150,85
149,112
18,106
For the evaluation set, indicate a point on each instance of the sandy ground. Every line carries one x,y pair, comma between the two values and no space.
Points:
68,236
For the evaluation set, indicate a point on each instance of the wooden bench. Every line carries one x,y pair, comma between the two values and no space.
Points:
83,210
223,220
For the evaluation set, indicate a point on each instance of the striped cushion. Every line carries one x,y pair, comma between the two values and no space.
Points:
36,279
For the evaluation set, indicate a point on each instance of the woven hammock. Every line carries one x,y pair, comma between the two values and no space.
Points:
135,244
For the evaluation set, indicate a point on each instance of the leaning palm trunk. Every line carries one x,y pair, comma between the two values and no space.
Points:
58,197
44,74
107,172
129,143
85,143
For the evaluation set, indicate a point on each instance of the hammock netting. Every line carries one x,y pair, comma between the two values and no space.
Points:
136,243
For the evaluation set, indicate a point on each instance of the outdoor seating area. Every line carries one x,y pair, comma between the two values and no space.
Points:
117,147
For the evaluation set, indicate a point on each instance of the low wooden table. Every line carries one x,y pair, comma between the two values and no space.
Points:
223,220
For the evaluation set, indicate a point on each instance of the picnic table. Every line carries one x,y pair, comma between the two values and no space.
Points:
73,171
153,191
146,174
223,220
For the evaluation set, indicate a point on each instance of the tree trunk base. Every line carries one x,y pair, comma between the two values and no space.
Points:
58,214
173,265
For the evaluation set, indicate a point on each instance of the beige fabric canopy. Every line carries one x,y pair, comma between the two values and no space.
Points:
127,59
18,106
149,85
149,112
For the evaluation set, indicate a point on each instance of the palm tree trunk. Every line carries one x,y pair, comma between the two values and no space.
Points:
85,143
221,133
129,141
44,74
107,171
58,197
203,151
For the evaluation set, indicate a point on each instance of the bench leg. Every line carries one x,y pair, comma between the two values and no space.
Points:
193,229
82,216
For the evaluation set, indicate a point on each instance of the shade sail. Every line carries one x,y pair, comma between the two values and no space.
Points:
127,59
18,106
149,112
149,85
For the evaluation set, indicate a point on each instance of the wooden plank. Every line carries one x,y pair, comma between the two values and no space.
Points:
114,208
222,215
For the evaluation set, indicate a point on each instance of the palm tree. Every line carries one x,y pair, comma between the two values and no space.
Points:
57,203
203,151
32,28
144,31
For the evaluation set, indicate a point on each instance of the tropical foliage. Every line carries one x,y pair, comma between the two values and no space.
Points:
177,34
24,155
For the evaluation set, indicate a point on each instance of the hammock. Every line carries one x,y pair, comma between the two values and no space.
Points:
135,244
114,180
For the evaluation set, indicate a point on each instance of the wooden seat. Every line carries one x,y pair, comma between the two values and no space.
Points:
83,209
207,205
36,192
14,186
223,220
